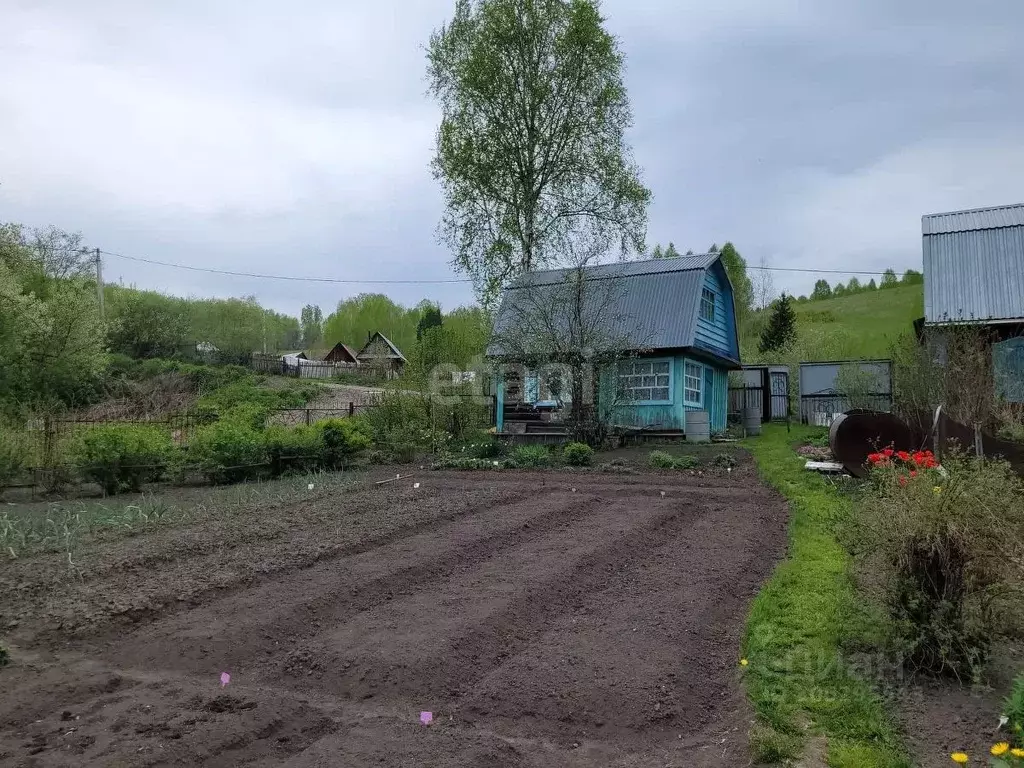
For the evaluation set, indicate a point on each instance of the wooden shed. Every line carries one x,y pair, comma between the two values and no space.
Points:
342,353
379,352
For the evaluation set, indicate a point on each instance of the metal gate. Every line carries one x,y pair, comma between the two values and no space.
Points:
765,387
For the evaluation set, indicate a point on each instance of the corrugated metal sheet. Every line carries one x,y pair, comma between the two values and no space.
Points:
652,301
621,269
972,220
974,275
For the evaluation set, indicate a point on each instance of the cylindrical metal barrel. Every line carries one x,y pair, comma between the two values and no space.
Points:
698,427
856,433
752,421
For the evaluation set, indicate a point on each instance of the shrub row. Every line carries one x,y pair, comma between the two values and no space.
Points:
121,457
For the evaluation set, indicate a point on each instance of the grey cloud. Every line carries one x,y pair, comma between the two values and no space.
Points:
270,137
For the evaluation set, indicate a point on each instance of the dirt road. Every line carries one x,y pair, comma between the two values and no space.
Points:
544,619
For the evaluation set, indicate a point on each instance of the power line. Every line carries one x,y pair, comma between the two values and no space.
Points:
299,279
292,278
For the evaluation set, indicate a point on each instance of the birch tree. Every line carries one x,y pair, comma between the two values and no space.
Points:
531,149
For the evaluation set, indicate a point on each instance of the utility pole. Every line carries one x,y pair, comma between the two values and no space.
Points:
99,283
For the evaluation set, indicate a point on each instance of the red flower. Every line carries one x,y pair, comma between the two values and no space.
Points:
913,473
903,455
888,453
903,480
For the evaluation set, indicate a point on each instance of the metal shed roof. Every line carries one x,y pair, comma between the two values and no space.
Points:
974,265
973,220
658,299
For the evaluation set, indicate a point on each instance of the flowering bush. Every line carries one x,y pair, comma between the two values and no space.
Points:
947,547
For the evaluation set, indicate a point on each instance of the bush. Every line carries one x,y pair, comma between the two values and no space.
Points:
1013,711
490,448
293,449
578,454
122,456
341,440
527,456
13,454
465,462
947,546
662,460
229,452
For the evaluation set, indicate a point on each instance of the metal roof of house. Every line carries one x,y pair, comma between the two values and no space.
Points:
974,265
657,303
973,220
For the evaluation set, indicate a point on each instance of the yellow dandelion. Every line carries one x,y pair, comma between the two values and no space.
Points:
937,490
960,757
1000,749
1017,752
743,662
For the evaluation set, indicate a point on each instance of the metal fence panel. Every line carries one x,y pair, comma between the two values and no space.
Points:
821,388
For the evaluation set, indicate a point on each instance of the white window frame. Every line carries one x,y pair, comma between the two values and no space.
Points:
638,374
693,372
708,298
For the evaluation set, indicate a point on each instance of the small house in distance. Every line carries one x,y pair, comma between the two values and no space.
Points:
380,353
674,320
341,353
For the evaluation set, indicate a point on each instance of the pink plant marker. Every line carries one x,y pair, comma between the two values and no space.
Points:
426,717
225,678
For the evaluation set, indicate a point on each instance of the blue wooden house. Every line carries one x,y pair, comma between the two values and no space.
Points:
677,324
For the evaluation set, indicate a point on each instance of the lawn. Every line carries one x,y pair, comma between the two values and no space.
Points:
862,325
803,625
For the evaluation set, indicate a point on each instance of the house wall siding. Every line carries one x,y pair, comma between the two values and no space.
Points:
719,335
716,396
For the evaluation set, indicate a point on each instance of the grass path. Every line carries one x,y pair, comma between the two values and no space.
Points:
801,623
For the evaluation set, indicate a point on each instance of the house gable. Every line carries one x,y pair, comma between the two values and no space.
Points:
380,347
715,328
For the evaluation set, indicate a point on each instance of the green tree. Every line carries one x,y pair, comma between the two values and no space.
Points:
669,252
713,248
839,289
742,287
431,319
357,318
531,151
311,319
889,279
872,285
854,286
145,324
51,333
912,277
822,290
780,332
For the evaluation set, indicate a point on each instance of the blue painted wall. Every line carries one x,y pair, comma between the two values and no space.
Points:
672,416
719,335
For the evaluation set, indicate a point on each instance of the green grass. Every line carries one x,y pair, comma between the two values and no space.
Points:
862,325
801,623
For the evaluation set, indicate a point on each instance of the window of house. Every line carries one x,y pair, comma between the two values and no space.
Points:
707,305
645,381
693,384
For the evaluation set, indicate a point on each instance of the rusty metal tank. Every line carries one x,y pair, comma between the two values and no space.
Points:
858,432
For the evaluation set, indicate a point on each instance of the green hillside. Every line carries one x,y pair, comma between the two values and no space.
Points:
861,325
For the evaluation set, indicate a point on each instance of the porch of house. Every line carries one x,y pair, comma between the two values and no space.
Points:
529,412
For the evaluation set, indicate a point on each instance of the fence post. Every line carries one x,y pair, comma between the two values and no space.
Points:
308,420
351,409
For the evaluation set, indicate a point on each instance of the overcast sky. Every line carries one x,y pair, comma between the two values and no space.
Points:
295,138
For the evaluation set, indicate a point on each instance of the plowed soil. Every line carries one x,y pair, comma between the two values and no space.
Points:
544,619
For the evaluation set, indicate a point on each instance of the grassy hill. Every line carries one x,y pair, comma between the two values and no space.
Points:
862,325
